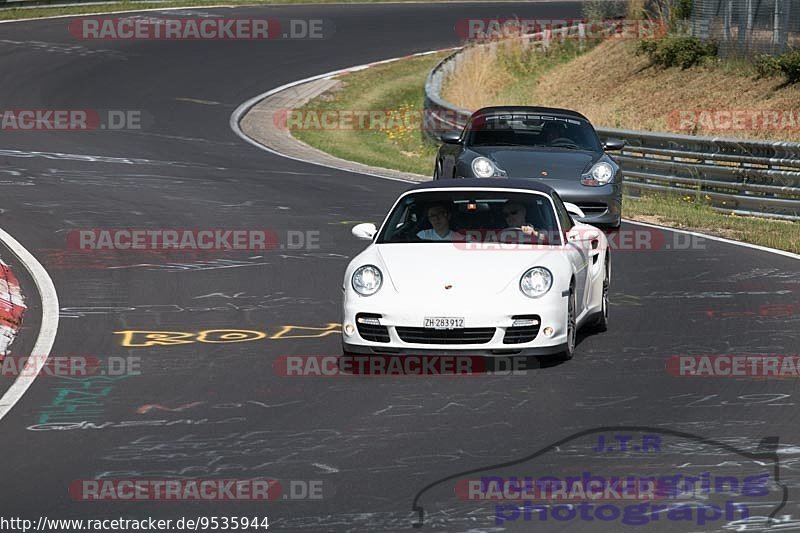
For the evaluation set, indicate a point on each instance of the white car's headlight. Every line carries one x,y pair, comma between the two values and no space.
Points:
367,280
536,282
483,167
600,174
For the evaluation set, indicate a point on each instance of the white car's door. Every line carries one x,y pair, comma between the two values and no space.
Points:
578,252
586,241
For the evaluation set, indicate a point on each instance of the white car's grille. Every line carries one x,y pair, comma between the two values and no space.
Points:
445,336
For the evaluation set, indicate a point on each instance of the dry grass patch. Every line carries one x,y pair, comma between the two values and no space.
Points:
615,87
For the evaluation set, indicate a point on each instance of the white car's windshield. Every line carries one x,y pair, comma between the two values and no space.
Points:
473,216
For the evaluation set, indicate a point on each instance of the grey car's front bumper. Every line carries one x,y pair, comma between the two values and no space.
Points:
602,205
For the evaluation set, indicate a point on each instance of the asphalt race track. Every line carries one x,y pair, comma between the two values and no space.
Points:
208,410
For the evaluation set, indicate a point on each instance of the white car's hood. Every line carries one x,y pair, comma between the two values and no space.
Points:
426,269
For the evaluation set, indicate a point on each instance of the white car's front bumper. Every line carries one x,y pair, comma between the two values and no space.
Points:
488,325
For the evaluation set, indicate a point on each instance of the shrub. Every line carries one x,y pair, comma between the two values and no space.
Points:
678,51
787,64
682,9
790,65
767,66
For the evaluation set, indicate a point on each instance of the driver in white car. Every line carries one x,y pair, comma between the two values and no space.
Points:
515,215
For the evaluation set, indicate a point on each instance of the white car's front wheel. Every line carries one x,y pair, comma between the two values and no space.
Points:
601,322
572,330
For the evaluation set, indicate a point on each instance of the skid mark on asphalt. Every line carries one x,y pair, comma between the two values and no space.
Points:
100,159
69,49
214,264
144,409
266,303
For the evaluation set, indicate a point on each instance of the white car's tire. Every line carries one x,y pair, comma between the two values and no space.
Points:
572,327
600,323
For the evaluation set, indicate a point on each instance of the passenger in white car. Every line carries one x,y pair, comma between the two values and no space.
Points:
439,216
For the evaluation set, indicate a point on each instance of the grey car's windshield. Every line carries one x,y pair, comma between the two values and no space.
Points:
473,217
524,129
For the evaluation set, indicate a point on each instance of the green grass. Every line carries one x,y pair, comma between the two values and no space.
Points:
686,212
12,13
395,89
526,67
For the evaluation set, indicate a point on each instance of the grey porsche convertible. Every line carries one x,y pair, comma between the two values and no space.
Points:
556,146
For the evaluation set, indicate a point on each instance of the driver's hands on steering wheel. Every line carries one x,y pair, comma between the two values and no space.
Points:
526,230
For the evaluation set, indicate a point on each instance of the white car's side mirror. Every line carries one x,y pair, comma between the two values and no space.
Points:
573,235
580,233
365,231
574,210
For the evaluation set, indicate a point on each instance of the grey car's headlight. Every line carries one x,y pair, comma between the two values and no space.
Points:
536,282
483,167
601,173
367,280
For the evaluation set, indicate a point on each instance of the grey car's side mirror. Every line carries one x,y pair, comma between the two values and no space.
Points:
613,144
451,137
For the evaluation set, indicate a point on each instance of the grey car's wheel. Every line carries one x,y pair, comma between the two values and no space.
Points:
572,330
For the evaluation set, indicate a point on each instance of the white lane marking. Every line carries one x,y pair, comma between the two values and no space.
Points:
76,157
170,10
719,239
238,114
107,12
47,329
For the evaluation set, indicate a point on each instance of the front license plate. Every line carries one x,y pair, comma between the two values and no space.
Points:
444,322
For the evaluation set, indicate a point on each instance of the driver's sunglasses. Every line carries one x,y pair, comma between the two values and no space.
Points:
509,213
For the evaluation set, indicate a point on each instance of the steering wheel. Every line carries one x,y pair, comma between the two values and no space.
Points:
563,141
409,233
506,235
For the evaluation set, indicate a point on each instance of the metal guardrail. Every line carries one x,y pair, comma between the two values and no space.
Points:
737,176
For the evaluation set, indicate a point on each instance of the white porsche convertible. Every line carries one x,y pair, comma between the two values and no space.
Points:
485,267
